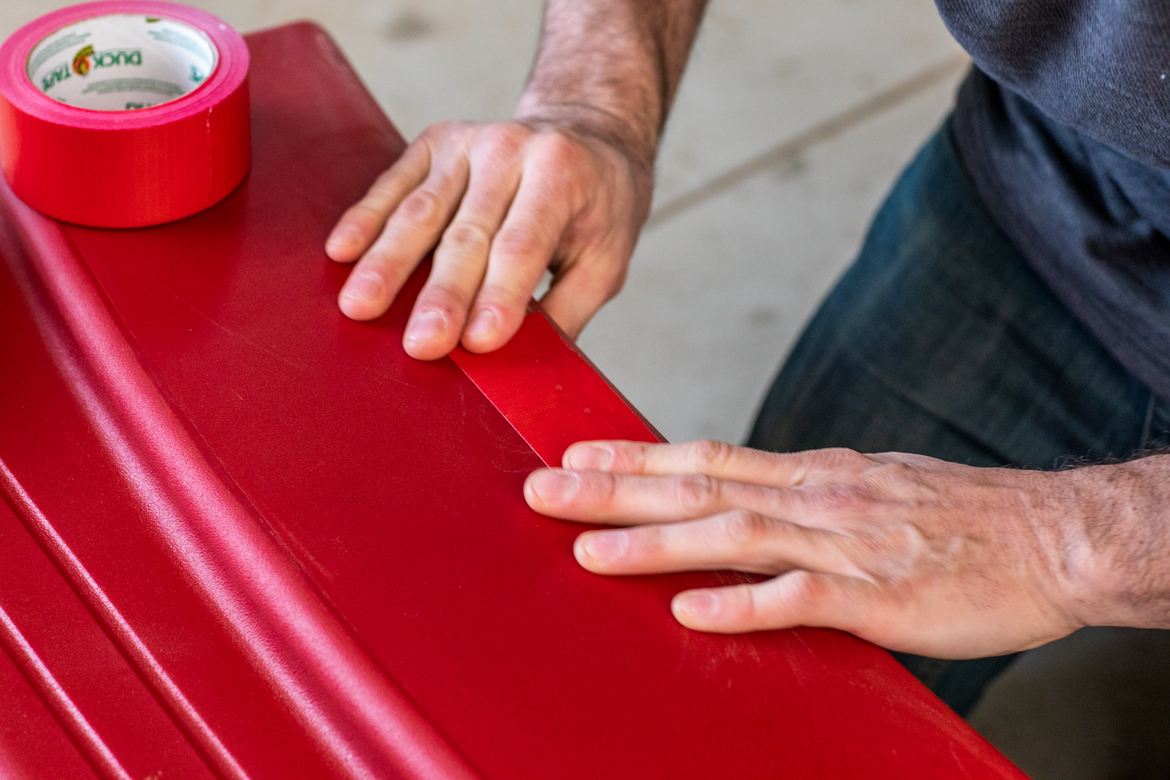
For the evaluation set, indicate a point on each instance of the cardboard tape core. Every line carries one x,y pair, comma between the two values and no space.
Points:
121,62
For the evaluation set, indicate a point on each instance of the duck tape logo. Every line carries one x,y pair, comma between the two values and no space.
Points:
86,59
82,61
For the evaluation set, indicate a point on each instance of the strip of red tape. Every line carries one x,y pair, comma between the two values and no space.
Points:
550,392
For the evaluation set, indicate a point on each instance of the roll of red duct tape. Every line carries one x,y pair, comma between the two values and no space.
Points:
124,113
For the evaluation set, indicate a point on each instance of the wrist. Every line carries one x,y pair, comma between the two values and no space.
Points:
1115,560
635,143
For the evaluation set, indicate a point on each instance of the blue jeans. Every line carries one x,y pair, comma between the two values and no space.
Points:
942,341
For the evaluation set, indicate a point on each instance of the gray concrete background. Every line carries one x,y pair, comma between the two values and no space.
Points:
792,122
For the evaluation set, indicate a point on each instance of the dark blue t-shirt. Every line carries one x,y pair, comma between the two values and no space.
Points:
1064,126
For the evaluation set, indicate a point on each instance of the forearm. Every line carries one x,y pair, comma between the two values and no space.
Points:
1117,562
612,67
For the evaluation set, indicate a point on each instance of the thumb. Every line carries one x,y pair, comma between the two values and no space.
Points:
582,289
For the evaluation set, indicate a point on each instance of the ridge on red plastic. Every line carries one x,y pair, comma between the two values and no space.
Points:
341,701
550,393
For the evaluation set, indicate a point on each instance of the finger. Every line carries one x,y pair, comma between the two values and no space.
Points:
799,598
740,540
462,257
597,497
864,609
411,232
576,294
361,223
522,249
715,459
635,499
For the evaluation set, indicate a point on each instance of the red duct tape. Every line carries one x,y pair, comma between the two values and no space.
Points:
550,392
124,113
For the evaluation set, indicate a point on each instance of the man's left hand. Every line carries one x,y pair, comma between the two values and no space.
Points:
909,552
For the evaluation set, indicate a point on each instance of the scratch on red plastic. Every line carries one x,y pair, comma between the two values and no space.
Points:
550,393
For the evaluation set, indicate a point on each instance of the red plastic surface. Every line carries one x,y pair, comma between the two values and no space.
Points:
266,528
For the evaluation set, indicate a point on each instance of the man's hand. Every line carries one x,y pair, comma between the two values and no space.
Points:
565,186
911,553
503,203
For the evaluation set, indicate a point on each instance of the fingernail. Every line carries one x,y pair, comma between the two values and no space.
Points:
695,606
363,287
591,458
606,546
426,326
483,326
554,487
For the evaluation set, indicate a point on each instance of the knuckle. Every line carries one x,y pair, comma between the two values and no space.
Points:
500,142
842,456
898,470
519,241
561,154
422,205
888,476
695,492
557,145
834,497
806,589
438,130
708,454
605,490
743,528
467,237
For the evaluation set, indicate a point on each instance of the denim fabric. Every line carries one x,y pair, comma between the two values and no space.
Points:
941,340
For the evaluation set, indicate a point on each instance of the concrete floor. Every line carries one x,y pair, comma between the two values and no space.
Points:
792,122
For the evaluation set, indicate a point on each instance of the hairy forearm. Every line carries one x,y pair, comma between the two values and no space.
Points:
612,66
1118,560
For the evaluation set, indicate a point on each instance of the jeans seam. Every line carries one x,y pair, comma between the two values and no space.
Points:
1159,436
1148,425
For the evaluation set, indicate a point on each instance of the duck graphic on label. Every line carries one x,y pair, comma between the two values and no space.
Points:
81,60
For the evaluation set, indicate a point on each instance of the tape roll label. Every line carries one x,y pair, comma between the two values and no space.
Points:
121,62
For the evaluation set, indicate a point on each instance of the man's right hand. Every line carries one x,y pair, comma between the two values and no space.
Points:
500,203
